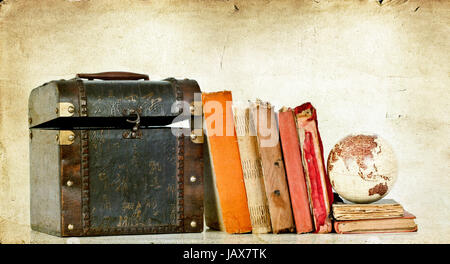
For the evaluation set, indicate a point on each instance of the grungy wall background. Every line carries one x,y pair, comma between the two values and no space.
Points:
365,66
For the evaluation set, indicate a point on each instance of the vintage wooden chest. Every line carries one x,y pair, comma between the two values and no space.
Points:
103,160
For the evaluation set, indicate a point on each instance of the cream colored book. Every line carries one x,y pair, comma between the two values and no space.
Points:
251,166
384,208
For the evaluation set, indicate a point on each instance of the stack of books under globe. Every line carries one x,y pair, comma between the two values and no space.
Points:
383,216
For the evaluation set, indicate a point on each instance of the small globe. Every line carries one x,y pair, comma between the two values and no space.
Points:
362,168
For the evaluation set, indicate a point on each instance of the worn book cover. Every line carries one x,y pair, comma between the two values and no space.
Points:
405,223
226,167
213,212
384,208
319,187
264,119
294,171
251,165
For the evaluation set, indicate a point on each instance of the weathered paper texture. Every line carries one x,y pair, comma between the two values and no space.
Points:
258,205
366,67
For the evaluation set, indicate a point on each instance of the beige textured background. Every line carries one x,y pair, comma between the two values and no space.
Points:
366,67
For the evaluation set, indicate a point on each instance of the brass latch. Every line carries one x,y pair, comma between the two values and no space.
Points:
197,135
65,137
65,109
196,122
196,108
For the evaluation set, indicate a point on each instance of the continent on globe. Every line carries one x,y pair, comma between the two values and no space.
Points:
362,168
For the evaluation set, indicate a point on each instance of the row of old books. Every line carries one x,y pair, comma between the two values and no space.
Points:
265,171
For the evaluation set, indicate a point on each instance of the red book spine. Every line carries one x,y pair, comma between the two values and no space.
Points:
294,171
320,191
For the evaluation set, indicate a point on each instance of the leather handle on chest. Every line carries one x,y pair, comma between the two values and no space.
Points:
113,76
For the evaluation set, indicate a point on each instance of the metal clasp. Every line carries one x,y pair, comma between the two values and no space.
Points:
135,132
196,121
65,137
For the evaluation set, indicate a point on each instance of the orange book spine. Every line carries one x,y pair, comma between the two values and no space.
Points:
226,163
294,171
